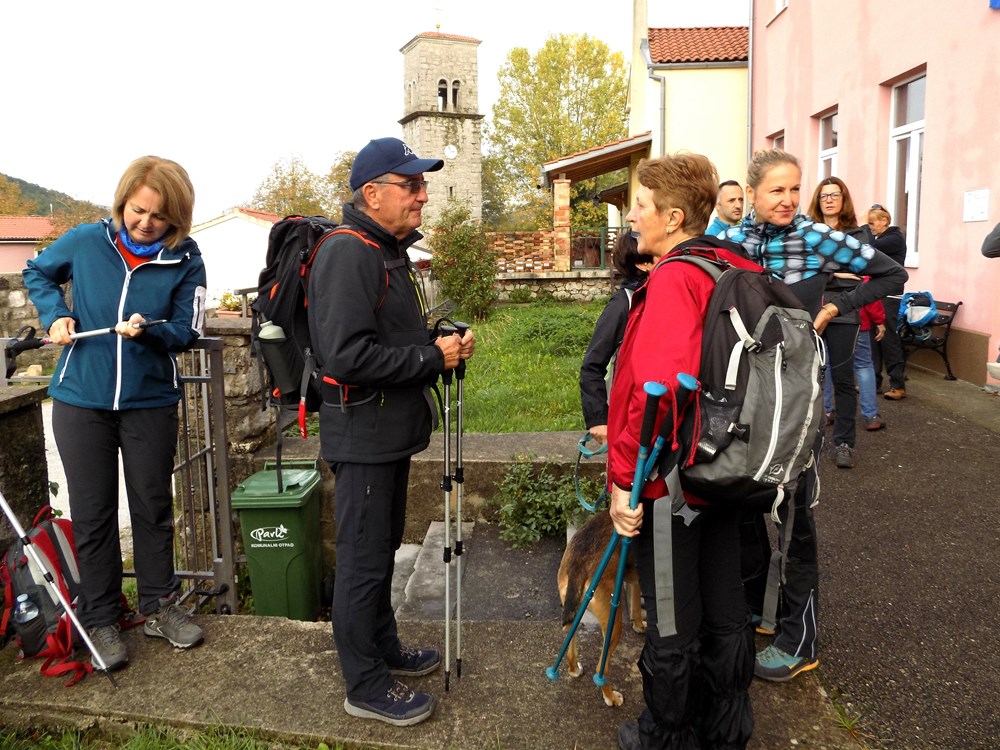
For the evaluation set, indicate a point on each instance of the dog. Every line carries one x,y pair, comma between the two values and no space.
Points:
579,562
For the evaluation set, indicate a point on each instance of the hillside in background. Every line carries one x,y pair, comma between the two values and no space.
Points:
48,202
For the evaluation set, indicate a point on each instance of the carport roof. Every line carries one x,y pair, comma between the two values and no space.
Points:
597,160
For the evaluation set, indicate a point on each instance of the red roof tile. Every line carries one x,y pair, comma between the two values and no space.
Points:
263,215
25,227
698,45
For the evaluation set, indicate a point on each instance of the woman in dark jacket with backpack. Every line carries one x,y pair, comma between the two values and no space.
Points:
805,253
631,268
119,393
889,240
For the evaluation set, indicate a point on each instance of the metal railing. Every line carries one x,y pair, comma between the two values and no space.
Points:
204,534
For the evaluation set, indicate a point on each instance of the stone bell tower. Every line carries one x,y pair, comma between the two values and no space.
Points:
441,118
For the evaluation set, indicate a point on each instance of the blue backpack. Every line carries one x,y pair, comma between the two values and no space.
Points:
917,312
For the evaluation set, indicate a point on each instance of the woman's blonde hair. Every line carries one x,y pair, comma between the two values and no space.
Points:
171,182
683,180
764,160
879,213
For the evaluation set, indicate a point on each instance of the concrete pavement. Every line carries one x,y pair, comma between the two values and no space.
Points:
906,622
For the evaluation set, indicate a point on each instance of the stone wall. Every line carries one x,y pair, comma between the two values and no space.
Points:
570,286
24,476
16,311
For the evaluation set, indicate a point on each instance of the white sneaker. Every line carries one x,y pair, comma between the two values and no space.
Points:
993,368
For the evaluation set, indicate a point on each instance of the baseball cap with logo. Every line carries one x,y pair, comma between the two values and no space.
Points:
384,155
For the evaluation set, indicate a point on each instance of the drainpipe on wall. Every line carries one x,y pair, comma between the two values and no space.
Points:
661,80
753,9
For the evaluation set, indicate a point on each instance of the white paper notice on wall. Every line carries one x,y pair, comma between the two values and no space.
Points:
976,206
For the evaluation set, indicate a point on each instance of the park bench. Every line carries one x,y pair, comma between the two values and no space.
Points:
940,330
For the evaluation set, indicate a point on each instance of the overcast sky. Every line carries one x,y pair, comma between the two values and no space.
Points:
230,88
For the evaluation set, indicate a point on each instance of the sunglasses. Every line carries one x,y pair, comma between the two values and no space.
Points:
877,207
415,186
830,196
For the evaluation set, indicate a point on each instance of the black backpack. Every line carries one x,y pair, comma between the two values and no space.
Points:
751,431
280,329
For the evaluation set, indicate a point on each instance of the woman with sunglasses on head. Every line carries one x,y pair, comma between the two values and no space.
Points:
805,253
832,205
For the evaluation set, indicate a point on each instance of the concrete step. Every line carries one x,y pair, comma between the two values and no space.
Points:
421,586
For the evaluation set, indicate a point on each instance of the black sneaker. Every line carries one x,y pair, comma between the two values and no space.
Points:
414,662
399,706
844,457
108,642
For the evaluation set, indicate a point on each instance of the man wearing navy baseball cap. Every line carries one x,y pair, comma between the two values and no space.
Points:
378,361
383,156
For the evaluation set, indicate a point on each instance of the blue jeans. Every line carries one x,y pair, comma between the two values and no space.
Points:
864,373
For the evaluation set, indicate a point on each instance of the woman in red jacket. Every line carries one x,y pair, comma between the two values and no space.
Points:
697,661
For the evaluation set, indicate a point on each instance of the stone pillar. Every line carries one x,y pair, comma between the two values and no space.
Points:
24,474
561,223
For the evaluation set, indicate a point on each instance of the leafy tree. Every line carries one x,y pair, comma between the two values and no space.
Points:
569,97
464,260
11,202
292,188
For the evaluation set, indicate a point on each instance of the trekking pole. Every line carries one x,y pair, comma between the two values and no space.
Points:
446,486
103,331
459,480
654,391
67,607
645,464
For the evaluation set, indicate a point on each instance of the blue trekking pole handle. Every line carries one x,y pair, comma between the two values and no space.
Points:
686,385
654,392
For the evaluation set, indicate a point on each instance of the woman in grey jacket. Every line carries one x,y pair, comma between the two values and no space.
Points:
119,393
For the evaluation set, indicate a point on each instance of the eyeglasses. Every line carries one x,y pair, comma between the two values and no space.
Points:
415,186
830,196
877,207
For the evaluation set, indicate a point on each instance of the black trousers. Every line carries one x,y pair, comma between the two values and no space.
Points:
696,683
370,503
840,341
89,441
888,352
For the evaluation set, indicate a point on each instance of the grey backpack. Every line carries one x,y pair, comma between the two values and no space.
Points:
749,432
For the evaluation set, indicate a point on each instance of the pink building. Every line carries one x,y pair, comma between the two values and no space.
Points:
899,100
18,237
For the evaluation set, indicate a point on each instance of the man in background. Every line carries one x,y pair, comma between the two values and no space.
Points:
728,208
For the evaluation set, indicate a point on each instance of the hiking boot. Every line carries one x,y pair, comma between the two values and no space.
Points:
172,622
758,625
895,394
844,457
108,642
875,423
775,665
399,706
415,662
628,736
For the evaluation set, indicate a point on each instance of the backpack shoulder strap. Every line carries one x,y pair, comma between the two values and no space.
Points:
712,264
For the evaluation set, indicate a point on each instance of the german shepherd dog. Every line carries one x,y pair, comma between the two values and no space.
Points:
580,561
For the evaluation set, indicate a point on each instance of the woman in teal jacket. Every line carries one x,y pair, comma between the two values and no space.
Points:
119,393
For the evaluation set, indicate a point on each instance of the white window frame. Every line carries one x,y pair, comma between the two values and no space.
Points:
778,140
826,165
911,134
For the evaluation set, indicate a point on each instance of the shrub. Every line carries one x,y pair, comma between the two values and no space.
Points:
464,261
537,501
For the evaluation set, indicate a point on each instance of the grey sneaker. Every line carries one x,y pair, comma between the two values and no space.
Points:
174,623
108,642
844,457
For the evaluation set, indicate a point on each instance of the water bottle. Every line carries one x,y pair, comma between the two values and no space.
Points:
280,356
29,625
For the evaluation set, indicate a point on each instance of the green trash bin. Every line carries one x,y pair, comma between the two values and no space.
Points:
281,539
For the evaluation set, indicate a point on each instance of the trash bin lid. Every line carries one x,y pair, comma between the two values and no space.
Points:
260,490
